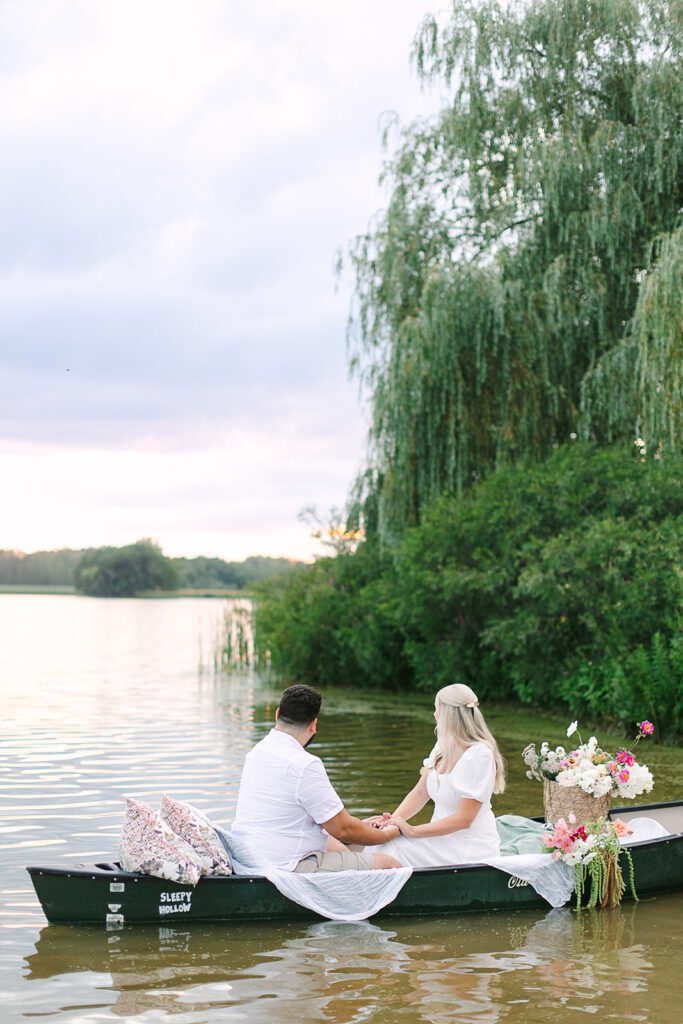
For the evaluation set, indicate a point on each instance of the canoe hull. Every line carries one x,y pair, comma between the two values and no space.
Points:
108,896
104,894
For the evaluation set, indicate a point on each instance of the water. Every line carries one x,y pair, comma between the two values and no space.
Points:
103,699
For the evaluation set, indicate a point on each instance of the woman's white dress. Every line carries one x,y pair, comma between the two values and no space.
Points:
473,778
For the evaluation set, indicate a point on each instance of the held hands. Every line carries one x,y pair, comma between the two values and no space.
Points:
384,823
389,830
378,820
401,824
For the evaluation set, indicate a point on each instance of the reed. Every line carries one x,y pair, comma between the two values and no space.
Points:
233,649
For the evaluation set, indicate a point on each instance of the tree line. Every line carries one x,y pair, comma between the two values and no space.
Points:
132,569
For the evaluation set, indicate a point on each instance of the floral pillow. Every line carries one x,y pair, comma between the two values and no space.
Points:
150,847
198,832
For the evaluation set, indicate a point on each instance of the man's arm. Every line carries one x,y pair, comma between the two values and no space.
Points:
347,829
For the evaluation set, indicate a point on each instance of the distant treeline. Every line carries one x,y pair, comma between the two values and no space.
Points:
59,568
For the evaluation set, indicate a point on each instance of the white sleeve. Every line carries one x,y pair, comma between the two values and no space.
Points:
429,760
474,774
316,794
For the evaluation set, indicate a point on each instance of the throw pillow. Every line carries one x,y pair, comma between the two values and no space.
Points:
196,830
150,847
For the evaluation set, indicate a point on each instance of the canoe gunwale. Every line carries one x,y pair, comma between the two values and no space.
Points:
98,870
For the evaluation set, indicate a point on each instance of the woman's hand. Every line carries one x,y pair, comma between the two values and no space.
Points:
389,830
402,825
377,820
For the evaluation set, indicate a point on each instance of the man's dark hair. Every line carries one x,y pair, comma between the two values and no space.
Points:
299,705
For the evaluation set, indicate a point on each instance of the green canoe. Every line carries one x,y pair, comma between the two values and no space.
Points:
104,894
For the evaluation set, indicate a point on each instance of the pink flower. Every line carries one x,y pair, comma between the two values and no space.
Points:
621,827
647,728
626,757
623,775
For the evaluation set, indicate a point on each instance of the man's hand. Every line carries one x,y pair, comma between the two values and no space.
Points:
348,829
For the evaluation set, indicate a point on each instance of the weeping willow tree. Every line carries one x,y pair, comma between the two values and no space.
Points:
523,285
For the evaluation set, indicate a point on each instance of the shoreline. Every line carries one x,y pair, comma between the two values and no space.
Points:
66,591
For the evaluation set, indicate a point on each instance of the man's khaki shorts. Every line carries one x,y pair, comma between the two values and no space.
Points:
335,861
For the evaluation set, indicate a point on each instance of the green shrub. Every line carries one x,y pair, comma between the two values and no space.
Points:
557,583
327,623
646,683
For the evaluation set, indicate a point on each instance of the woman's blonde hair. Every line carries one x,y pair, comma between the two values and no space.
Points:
459,725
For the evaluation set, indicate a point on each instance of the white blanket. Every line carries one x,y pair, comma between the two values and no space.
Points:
339,896
357,895
550,878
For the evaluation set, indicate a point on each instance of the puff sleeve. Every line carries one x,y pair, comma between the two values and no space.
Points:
474,774
428,762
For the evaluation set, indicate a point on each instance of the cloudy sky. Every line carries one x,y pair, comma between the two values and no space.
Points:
176,179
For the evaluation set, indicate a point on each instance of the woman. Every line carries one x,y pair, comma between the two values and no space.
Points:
462,771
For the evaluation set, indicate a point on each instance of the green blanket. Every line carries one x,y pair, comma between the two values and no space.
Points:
519,835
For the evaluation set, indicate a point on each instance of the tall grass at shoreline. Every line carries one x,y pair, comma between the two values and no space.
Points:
233,644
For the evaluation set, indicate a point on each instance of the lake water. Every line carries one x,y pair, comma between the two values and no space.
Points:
107,698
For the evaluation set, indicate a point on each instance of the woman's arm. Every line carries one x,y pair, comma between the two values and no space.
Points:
463,818
414,801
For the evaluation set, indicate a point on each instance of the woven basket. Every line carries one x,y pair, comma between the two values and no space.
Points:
561,801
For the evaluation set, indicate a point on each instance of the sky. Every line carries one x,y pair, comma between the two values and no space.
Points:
176,181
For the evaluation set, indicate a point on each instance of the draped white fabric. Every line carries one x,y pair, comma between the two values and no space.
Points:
550,878
337,895
357,895
341,895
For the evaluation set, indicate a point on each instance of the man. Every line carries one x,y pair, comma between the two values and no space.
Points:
287,808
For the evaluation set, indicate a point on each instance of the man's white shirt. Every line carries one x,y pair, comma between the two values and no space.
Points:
284,796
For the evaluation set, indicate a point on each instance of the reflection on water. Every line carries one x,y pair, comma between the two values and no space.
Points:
479,968
105,698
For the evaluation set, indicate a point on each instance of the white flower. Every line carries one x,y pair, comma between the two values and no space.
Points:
551,763
572,728
589,857
530,756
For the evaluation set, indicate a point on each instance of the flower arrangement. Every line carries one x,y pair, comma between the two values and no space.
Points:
593,851
591,768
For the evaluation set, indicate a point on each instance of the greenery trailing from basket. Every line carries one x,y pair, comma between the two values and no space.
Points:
593,851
